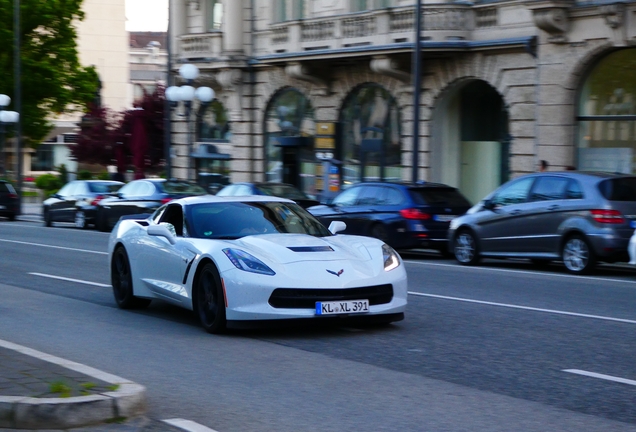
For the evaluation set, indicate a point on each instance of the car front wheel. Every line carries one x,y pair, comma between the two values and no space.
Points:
465,248
210,301
80,219
121,279
577,255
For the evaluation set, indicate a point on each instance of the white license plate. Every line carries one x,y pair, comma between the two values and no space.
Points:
342,307
444,218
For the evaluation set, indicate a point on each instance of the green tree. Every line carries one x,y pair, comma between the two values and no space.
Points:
53,81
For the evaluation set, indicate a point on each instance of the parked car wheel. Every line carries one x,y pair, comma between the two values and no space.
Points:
80,219
47,218
11,216
465,248
577,255
210,304
379,231
121,279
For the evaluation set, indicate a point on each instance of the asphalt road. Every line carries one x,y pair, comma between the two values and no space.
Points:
481,349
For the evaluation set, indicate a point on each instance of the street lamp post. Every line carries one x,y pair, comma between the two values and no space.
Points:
187,94
6,118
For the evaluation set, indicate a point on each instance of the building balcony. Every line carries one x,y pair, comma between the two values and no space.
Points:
200,46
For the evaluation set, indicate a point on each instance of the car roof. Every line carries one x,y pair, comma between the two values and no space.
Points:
404,184
201,199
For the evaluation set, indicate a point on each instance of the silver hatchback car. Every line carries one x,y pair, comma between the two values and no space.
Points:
580,218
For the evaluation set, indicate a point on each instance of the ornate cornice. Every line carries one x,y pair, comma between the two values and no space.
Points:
553,17
614,14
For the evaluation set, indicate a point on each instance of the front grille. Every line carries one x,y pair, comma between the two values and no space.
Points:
298,298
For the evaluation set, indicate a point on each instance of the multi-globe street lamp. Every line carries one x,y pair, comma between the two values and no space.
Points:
6,118
187,94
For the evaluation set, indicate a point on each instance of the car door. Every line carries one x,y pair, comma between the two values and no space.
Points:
547,211
60,208
501,227
117,206
165,266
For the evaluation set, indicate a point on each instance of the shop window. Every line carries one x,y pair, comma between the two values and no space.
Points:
371,136
43,158
607,115
214,15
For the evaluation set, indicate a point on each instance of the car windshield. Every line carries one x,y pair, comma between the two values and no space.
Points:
619,189
185,188
234,220
104,187
283,191
441,196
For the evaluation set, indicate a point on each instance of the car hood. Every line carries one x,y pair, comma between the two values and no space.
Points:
290,248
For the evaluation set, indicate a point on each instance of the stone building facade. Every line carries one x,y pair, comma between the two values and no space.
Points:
504,85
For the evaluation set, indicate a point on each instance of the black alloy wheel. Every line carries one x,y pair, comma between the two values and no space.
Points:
578,257
121,279
465,248
210,301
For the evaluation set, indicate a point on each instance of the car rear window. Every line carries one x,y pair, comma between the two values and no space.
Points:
172,187
439,196
618,189
104,187
4,188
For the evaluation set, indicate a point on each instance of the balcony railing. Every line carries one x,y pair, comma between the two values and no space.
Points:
380,27
200,45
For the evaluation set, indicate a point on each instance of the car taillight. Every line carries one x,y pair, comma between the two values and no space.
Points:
608,216
13,196
166,200
97,199
413,213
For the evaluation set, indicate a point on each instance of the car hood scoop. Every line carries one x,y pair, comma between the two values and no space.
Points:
288,248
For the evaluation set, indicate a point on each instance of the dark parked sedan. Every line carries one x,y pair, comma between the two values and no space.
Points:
579,218
8,200
76,202
142,196
402,215
281,190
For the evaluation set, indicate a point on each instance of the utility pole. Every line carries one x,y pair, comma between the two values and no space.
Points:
167,123
417,88
17,100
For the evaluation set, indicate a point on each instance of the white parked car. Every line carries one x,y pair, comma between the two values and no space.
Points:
236,261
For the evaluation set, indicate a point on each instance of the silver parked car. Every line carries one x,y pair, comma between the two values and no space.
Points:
578,217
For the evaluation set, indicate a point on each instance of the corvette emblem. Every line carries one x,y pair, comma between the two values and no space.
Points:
336,273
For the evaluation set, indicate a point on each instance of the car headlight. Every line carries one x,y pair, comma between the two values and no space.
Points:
246,262
391,258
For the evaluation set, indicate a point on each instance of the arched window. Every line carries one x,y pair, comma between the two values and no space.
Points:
607,115
290,114
212,123
371,145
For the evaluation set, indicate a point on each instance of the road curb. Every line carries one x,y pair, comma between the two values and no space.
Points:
129,400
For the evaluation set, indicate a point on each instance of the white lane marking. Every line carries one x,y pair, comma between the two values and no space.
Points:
70,279
601,376
552,311
591,278
188,425
54,247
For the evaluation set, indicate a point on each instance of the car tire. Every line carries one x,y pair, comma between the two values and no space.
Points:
121,280
47,218
80,219
465,248
210,301
380,232
11,217
577,255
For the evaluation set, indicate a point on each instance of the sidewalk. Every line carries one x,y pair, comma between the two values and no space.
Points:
40,391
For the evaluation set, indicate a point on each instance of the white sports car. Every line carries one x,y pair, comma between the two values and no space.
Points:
236,261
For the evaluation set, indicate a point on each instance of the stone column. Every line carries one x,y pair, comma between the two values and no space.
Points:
233,26
178,16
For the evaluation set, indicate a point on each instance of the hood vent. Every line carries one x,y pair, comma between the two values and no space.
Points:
310,248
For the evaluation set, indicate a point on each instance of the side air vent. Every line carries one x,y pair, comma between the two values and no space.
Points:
310,248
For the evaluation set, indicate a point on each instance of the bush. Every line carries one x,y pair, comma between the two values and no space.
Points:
84,175
48,182
103,176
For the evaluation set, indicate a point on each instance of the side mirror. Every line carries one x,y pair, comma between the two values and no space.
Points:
489,205
337,226
162,230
